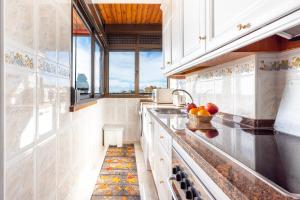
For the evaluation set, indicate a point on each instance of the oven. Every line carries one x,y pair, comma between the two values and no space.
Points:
189,181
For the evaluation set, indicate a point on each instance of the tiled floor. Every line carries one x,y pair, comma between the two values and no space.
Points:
146,182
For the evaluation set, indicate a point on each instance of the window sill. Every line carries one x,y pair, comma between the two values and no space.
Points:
127,96
83,105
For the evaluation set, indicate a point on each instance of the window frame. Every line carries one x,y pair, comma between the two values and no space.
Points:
136,94
95,38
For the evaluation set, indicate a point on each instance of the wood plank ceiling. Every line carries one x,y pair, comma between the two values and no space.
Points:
130,13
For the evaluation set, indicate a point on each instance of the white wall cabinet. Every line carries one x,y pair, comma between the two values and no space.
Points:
194,35
176,27
231,19
196,29
167,34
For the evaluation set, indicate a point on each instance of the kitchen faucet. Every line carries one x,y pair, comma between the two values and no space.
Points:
182,90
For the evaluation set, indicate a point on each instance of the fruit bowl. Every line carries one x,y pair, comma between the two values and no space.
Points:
195,120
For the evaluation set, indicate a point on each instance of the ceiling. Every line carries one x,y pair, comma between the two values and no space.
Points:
130,13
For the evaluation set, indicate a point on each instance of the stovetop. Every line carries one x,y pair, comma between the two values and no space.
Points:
274,155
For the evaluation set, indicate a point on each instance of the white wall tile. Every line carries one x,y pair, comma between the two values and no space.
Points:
46,169
19,111
19,23
46,105
19,180
46,29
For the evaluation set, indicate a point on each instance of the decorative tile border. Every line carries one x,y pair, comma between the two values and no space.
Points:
44,66
243,68
63,71
18,58
284,64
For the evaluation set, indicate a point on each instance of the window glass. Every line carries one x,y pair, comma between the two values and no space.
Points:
151,75
82,56
98,68
121,72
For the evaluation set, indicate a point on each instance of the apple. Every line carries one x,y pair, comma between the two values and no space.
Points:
211,108
189,106
211,133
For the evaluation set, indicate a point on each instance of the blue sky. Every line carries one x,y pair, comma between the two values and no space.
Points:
121,73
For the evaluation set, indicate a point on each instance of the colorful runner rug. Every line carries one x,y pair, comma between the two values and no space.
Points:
118,179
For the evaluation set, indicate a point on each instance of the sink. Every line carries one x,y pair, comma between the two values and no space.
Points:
169,111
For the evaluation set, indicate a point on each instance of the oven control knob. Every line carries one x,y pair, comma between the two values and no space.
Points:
184,175
175,169
183,185
188,183
197,198
178,176
189,194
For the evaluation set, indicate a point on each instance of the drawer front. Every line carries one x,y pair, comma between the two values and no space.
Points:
165,140
163,176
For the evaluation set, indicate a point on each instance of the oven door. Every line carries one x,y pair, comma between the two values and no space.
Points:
184,183
189,180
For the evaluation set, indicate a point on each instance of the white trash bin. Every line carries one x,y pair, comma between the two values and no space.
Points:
113,134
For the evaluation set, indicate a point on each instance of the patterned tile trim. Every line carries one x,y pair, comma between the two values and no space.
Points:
63,71
242,68
21,59
44,66
285,64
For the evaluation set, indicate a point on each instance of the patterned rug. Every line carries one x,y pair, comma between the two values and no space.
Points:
118,178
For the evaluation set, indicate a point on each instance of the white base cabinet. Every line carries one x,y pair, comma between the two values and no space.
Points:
158,154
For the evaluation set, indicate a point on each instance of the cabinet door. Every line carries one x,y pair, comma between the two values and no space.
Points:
167,34
231,19
176,26
193,29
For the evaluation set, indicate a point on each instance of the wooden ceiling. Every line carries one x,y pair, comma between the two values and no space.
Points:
130,13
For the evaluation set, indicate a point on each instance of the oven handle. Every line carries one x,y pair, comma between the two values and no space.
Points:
171,188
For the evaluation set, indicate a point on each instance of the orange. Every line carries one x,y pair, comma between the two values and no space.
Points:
201,108
194,111
203,112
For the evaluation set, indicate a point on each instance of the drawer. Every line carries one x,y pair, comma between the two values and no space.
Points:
165,162
165,140
163,177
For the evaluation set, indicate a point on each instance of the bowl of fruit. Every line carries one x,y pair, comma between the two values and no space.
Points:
201,114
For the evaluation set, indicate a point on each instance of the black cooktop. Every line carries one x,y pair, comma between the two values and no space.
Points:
274,155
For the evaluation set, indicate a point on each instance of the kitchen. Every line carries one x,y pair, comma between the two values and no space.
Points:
149,99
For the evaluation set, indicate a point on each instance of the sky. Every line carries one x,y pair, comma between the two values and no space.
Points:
121,73
121,67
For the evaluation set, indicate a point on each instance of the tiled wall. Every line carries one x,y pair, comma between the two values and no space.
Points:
123,111
231,86
47,148
251,87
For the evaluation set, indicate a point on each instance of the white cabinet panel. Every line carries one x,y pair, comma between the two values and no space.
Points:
231,19
176,27
167,33
193,14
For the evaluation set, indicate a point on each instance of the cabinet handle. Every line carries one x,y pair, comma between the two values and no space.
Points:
161,182
243,26
161,159
168,62
202,38
161,137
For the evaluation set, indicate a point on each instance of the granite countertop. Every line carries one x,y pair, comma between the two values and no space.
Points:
245,163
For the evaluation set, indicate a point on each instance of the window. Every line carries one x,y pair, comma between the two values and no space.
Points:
98,68
123,78
122,72
150,71
82,51
87,59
